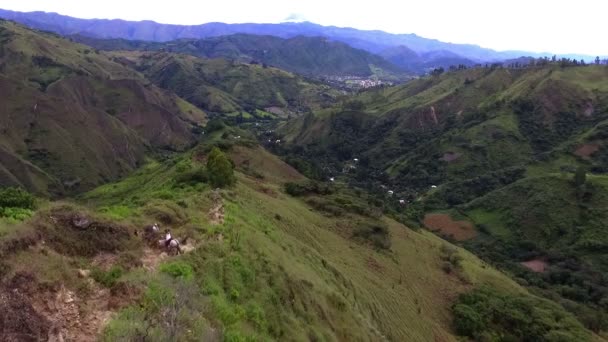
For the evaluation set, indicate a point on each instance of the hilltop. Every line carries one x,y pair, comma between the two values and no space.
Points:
493,157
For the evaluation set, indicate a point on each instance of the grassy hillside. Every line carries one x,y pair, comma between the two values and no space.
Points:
261,264
498,149
71,118
309,56
222,86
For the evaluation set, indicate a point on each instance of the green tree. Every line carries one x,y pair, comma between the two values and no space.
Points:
220,169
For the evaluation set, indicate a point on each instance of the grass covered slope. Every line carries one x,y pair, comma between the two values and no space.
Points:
72,119
277,268
260,264
223,86
494,150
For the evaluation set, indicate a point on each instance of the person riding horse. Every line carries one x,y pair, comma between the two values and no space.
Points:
168,238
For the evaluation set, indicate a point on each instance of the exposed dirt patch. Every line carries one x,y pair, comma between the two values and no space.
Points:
373,265
152,258
444,224
535,265
450,156
586,150
52,313
268,191
105,261
19,321
216,213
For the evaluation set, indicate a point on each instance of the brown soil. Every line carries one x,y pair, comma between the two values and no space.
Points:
373,265
19,321
41,313
216,213
535,265
443,223
105,261
586,150
152,258
268,191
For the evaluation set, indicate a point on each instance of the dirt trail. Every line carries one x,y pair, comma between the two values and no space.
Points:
153,257
216,213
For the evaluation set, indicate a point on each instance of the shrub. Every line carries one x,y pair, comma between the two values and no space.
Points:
307,187
107,278
178,269
377,233
215,125
16,214
220,169
192,177
450,255
16,198
486,312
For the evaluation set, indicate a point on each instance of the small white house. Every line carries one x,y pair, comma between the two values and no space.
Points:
332,179
356,160
278,141
402,201
391,192
433,186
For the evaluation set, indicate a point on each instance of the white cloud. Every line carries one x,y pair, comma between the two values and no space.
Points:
532,25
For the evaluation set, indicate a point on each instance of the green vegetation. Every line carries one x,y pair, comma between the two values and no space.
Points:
95,119
16,204
220,169
239,91
486,314
520,153
310,56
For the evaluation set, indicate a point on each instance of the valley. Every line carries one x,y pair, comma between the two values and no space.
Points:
315,191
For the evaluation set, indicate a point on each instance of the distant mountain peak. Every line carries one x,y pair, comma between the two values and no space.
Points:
295,18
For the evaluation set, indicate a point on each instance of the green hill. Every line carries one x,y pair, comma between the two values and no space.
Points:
261,265
309,56
222,86
71,118
497,148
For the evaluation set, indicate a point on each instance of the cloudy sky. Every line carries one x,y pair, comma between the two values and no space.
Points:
533,25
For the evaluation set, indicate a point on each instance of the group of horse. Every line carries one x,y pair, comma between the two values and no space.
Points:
152,234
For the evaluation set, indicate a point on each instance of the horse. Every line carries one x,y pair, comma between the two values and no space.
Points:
173,248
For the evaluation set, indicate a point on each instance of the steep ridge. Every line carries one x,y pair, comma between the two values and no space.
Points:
71,118
309,56
228,87
520,154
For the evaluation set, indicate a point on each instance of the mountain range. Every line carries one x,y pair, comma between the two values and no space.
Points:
309,56
376,42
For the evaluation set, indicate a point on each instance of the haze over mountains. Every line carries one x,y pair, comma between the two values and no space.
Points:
399,47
